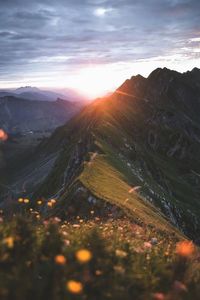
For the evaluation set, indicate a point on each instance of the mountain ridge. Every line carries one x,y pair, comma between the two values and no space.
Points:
145,135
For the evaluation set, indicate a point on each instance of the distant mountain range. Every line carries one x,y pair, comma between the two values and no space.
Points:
136,151
33,93
18,115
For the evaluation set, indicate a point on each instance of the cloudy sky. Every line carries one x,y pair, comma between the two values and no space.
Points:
94,45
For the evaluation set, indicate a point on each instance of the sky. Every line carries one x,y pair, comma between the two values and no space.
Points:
92,46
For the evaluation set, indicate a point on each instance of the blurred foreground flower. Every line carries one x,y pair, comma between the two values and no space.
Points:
83,255
74,287
120,253
53,201
159,296
147,245
179,286
185,248
3,135
9,241
60,259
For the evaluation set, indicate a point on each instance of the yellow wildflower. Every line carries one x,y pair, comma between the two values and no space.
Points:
60,259
120,253
83,255
9,241
53,201
74,287
185,248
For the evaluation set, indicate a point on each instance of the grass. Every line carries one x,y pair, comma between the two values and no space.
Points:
126,261
106,182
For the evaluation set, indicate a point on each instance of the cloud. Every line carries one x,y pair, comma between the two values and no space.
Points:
65,35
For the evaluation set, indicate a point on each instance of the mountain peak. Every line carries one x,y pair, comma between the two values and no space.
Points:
163,73
133,82
26,89
195,69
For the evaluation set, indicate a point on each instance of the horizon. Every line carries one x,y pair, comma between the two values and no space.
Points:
93,46
85,97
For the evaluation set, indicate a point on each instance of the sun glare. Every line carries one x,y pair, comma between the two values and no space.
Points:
95,81
101,11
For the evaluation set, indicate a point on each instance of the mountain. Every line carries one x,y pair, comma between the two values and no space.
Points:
107,203
136,151
27,123
18,115
34,93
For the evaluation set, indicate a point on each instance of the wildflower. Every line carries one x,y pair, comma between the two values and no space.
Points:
26,200
74,287
185,248
46,223
9,241
148,257
49,204
83,255
20,200
76,225
159,296
39,202
3,135
53,201
98,272
60,259
67,242
179,286
119,269
120,253
147,245
57,220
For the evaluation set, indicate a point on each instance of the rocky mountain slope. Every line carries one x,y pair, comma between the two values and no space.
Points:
136,152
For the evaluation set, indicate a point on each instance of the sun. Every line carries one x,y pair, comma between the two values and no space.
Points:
95,81
101,11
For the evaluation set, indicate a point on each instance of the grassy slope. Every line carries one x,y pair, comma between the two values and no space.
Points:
106,182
